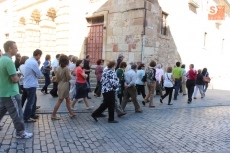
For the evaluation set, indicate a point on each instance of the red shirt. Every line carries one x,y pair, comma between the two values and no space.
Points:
79,77
191,75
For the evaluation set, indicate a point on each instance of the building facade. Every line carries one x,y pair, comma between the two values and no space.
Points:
143,30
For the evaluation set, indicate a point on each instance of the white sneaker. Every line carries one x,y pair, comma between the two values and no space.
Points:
89,108
24,135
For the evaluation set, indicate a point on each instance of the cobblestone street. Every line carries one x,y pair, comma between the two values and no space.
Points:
202,126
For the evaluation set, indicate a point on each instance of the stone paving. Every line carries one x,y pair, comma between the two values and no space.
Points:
203,126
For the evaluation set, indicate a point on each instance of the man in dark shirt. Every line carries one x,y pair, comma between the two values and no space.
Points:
119,60
17,60
87,69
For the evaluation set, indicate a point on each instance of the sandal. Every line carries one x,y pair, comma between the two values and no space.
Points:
55,118
72,116
37,107
30,120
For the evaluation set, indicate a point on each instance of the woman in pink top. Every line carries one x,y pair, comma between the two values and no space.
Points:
98,72
191,81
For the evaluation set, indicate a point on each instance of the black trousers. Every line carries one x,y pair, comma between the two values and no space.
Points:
53,91
24,96
108,102
190,84
97,91
141,89
87,79
168,91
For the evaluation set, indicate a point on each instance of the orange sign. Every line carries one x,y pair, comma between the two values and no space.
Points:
217,13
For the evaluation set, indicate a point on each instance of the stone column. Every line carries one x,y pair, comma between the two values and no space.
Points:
32,37
19,36
62,29
47,35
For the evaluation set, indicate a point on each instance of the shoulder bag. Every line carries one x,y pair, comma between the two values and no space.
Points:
171,81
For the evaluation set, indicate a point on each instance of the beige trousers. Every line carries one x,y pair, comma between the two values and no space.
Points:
151,88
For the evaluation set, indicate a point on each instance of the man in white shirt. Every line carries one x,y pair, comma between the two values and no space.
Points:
30,83
130,87
129,66
55,65
55,62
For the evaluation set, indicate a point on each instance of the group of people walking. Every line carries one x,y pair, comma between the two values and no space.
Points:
118,82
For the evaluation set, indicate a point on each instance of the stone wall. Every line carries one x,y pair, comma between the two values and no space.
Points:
124,34
158,47
133,28
124,29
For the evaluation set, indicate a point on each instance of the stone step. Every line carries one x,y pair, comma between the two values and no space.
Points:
41,80
93,86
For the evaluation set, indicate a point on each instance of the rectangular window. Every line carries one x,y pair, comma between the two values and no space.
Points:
164,24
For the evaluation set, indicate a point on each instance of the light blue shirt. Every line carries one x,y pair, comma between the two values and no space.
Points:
140,74
183,72
32,73
130,78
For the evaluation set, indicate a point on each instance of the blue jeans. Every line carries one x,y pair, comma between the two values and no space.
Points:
205,86
177,87
31,103
47,82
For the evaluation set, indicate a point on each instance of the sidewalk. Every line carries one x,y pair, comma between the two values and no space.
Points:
202,126
213,98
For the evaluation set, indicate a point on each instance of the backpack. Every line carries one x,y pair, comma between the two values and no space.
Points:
144,78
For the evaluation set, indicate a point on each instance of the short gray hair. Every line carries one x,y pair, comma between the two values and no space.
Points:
158,66
134,66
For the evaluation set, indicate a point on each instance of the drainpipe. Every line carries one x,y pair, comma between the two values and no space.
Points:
143,35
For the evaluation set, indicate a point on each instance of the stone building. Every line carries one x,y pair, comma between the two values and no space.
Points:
143,30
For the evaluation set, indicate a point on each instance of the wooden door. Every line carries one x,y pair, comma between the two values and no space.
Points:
94,43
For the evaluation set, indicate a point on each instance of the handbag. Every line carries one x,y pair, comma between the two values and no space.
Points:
171,81
206,79
88,86
54,78
144,78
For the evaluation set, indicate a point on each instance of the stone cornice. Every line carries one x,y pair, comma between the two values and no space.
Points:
28,3
2,1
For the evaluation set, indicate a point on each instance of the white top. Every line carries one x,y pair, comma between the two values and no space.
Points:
159,73
22,70
168,82
55,64
105,68
72,67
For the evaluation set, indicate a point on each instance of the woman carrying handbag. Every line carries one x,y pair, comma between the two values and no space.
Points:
168,84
